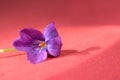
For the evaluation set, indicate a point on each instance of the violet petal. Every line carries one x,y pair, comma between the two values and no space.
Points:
29,34
37,55
50,31
20,45
54,46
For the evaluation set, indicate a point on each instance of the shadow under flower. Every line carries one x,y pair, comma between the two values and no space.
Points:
72,52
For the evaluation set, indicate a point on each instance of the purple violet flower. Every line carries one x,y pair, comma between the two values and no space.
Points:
37,45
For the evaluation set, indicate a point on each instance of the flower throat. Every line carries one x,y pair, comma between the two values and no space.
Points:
42,44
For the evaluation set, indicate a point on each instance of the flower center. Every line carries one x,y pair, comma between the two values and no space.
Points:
42,44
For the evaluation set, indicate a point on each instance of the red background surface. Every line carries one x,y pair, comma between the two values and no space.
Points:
89,30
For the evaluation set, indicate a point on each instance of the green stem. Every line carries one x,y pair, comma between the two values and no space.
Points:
8,50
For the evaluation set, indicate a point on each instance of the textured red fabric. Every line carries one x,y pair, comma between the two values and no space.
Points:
89,30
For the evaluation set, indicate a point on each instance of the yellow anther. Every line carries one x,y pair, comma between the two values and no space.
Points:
42,44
